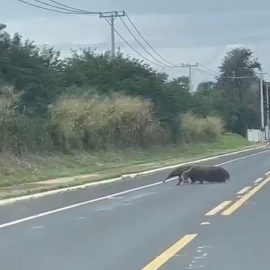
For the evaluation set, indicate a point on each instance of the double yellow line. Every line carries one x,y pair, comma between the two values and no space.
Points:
237,204
243,199
179,245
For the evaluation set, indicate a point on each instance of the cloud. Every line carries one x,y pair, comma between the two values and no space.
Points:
183,31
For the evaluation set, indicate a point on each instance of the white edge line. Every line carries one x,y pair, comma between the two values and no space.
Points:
244,190
56,191
258,180
8,224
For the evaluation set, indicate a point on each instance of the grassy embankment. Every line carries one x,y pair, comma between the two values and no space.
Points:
29,174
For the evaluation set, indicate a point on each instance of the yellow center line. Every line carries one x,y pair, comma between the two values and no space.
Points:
242,200
218,208
170,252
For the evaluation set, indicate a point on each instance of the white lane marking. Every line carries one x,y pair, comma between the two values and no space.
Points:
8,224
244,190
18,221
81,218
92,184
202,247
115,198
268,173
199,257
205,223
258,180
38,227
240,158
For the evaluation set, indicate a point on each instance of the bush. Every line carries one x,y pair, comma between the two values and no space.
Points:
200,129
18,133
92,123
31,135
8,100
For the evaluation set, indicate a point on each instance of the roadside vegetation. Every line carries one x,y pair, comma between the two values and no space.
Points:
91,114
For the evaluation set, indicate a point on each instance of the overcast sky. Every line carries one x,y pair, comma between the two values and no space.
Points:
182,31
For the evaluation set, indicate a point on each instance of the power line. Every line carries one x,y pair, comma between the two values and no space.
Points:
142,46
209,69
53,6
48,9
66,9
82,10
135,50
204,71
145,40
60,9
73,8
240,77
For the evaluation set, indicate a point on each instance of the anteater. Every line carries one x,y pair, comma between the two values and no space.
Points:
194,173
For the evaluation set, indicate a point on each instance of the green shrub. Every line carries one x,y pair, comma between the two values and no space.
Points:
31,135
18,133
200,129
8,100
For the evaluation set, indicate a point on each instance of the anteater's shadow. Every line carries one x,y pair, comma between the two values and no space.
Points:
205,183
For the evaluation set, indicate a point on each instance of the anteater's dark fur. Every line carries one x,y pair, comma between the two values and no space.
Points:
200,173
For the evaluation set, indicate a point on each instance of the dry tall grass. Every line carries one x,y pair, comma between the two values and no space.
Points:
92,123
200,129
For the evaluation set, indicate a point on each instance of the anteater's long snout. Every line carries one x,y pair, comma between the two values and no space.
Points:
165,179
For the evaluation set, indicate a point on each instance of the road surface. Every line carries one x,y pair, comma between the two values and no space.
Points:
146,225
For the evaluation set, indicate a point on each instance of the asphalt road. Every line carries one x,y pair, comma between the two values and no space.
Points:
131,229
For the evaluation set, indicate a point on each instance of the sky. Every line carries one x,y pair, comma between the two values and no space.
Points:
181,31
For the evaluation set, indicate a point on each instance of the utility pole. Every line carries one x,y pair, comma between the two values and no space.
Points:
262,105
110,17
190,66
267,110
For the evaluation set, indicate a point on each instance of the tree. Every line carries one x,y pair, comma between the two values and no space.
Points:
204,99
30,70
175,99
87,69
240,106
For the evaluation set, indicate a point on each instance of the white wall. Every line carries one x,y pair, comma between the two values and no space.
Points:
256,135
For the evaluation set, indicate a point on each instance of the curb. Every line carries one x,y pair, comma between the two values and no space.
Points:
123,177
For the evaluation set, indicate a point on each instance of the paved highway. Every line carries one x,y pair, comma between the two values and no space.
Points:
146,225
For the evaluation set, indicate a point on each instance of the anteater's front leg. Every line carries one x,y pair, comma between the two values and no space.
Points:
180,180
